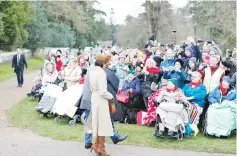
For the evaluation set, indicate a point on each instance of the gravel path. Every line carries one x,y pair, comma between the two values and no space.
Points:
21,142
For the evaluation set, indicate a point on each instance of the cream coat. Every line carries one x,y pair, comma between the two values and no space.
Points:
71,75
101,121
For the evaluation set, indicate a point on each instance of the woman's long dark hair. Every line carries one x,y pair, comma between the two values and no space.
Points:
99,63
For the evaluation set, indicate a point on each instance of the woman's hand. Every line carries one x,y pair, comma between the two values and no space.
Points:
111,101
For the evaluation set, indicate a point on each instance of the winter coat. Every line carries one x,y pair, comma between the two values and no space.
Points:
199,93
233,78
180,76
167,96
212,81
101,121
195,51
167,63
132,87
49,78
216,96
121,73
71,75
112,84
189,76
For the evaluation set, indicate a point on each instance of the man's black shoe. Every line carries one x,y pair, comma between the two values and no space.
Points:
120,138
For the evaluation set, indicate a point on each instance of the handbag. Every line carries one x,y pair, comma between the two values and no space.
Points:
122,97
65,83
112,108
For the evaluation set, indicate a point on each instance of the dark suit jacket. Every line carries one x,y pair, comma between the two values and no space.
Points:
19,67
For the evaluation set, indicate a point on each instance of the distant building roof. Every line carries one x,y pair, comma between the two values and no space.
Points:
105,43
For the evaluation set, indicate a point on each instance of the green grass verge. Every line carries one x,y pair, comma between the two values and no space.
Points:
23,115
7,72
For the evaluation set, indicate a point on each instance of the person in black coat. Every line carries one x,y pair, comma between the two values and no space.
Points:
18,63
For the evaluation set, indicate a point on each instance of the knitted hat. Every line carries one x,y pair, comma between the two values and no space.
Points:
174,81
158,60
180,61
193,59
227,79
133,72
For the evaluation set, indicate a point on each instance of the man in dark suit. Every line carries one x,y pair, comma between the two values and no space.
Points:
18,63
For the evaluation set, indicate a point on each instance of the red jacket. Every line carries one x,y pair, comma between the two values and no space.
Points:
59,65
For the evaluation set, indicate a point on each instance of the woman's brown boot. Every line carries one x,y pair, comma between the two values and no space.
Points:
95,146
101,149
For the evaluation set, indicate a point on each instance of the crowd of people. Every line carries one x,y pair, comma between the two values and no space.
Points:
178,89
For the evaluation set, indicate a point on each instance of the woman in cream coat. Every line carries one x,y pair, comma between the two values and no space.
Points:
72,73
100,114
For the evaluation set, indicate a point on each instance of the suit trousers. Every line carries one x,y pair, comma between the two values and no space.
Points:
20,78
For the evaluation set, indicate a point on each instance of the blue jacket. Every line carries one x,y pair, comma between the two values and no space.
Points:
180,76
215,96
199,93
195,51
167,63
134,85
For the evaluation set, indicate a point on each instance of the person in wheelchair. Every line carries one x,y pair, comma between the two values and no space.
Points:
170,113
221,114
195,92
223,92
131,87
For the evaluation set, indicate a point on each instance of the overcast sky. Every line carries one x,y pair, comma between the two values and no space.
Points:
122,8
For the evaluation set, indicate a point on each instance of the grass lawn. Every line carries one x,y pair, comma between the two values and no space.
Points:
7,72
138,135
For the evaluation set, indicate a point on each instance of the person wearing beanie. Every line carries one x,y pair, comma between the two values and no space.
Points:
191,67
158,60
212,75
131,85
220,115
177,72
223,92
169,110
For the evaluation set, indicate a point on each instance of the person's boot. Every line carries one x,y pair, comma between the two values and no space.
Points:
101,149
118,138
88,140
95,146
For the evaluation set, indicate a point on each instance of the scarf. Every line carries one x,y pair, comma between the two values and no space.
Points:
171,90
153,70
194,84
214,69
223,90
